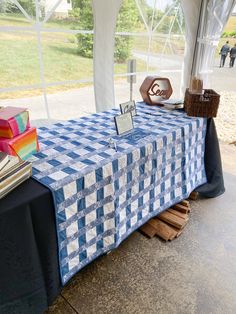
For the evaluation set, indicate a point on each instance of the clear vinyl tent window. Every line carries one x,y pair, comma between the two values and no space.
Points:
155,40
40,57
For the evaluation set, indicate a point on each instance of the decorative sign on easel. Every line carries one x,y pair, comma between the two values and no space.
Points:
155,89
128,106
124,123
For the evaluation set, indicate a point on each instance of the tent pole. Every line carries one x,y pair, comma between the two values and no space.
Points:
199,35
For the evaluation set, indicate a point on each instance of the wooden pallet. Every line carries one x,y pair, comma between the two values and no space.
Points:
170,223
193,196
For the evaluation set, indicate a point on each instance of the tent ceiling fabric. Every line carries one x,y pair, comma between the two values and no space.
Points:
105,14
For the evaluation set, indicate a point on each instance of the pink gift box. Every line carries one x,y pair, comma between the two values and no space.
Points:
13,121
22,145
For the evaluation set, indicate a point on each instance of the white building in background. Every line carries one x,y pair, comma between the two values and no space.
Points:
61,11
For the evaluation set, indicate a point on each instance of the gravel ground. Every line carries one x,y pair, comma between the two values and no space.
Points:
226,117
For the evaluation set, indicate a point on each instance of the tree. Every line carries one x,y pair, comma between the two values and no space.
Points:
128,19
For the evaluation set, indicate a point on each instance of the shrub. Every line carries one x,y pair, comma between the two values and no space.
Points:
122,48
85,45
229,34
28,5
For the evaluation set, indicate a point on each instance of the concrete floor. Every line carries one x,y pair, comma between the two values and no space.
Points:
195,273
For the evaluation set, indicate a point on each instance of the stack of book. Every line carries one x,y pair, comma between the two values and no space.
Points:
172,103
13,171
17,137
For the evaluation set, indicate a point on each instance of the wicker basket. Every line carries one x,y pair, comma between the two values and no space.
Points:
201,105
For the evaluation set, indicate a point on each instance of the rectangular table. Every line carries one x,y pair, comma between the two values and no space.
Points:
102,195
29,269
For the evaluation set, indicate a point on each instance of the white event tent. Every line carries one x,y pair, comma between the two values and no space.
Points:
205,21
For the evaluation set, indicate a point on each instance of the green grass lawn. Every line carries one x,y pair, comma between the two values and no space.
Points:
13,20
20,64
10,19
231,25
158,44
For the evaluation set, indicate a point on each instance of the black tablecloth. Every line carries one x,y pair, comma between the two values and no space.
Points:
29,270
215,182
29,276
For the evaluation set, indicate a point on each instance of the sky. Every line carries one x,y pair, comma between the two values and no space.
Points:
161,4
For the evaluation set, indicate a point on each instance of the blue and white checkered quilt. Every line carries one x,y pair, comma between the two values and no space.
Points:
102,194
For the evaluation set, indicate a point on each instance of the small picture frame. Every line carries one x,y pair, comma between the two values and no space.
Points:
128,106
124,123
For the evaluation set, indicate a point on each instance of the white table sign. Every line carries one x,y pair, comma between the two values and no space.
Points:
128,106
124,123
